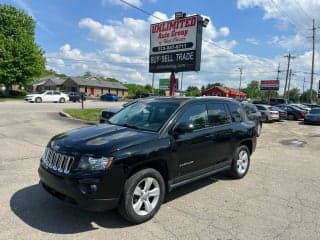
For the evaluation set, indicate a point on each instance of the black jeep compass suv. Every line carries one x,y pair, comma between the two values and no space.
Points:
146,150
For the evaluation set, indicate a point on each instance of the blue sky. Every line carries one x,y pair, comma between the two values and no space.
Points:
111,39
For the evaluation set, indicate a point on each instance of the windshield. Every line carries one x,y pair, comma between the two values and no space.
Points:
144,116
315,111
273,108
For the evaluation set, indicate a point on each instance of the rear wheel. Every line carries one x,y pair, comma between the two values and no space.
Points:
142,196
259,128
291,117
241,162
62,100
38,100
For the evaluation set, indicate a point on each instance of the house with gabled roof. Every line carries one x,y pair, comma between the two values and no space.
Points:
94,87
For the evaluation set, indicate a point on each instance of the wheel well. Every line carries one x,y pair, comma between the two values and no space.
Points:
158,165
248,144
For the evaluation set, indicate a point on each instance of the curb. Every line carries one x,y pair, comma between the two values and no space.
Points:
66,115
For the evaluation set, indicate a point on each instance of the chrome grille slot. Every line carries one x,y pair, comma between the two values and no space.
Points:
56,161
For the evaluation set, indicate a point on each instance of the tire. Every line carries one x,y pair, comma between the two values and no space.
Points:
259,129
38,100
136,193
291,117
62,100
241,162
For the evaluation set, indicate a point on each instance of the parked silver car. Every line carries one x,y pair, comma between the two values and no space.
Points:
268,113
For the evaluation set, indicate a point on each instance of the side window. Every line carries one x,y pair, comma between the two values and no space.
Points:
237,112
217,114
49,93
56,93
260,108
253,109
196,115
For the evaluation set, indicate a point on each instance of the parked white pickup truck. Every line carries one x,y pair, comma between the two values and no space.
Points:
47,96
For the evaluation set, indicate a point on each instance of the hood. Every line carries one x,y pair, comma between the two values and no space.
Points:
313,115
101,139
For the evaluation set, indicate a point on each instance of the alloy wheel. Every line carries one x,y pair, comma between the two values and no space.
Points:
146,196
242,162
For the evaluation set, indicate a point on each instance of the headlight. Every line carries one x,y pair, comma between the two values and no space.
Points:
92,163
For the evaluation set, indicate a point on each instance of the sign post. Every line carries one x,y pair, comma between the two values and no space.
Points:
175,46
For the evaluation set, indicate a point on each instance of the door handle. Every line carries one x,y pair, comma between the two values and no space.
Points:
210,136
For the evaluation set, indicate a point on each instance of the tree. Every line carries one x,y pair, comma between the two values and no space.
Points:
305,97
253,90
87,74
193,91
21,59
294,95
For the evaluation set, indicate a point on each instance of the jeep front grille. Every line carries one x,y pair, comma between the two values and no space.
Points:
56,161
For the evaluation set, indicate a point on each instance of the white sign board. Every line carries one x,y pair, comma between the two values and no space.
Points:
176,45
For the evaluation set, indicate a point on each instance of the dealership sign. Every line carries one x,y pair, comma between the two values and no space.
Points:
175,45
164,84
269,84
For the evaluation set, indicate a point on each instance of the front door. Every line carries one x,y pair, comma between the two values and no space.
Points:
91,91
191,149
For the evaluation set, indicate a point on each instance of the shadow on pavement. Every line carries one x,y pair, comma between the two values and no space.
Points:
42,211
37,208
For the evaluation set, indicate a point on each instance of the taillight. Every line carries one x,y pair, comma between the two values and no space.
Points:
302,114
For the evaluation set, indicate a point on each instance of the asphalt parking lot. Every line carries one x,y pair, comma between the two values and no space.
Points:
278,199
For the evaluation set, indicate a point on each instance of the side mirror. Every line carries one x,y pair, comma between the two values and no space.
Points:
182,128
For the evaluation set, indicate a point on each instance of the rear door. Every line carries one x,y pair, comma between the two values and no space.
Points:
220,122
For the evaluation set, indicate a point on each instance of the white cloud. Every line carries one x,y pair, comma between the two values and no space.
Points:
252,41
137,3
296,13
224,31
123,48
156,16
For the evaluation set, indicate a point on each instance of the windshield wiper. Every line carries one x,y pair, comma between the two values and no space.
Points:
129,126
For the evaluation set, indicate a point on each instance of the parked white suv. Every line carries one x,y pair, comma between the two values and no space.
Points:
47,96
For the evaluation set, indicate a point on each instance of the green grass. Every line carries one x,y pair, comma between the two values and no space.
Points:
91,114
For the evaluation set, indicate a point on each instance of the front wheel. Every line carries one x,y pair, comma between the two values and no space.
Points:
143,195
38,100
241,162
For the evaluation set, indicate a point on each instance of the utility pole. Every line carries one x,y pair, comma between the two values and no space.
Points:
278,71
181,81
240,80
152,82
304,81
290,76
312,64
289,56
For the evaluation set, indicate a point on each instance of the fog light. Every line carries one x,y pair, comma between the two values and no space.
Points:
83,189
93,188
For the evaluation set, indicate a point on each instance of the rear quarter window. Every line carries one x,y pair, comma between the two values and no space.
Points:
237,112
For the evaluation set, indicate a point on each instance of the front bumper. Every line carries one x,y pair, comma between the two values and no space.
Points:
312,121
29,99
73,191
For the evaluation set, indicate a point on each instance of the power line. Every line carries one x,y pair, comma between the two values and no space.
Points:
305,12
280,10
140,9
